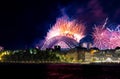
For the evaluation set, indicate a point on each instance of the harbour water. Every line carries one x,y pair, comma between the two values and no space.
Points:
61,71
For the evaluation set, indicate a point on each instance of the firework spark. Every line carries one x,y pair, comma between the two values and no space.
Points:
64,27
104,38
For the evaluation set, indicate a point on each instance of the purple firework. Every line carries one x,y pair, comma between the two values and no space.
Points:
104,38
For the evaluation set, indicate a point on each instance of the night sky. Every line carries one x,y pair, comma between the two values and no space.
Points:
25,22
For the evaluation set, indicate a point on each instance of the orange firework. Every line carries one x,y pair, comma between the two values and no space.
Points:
64,27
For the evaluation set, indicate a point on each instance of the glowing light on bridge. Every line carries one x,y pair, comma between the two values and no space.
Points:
64,33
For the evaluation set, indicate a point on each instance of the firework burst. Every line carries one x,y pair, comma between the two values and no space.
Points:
64,27
104,38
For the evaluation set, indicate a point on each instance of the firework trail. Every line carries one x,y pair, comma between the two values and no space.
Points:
104,38
64,27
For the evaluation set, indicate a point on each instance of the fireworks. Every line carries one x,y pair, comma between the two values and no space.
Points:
64,27
104,38
64,33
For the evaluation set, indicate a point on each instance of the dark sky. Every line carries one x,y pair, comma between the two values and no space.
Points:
24,22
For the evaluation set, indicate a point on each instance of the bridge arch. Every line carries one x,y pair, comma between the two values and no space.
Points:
51,42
